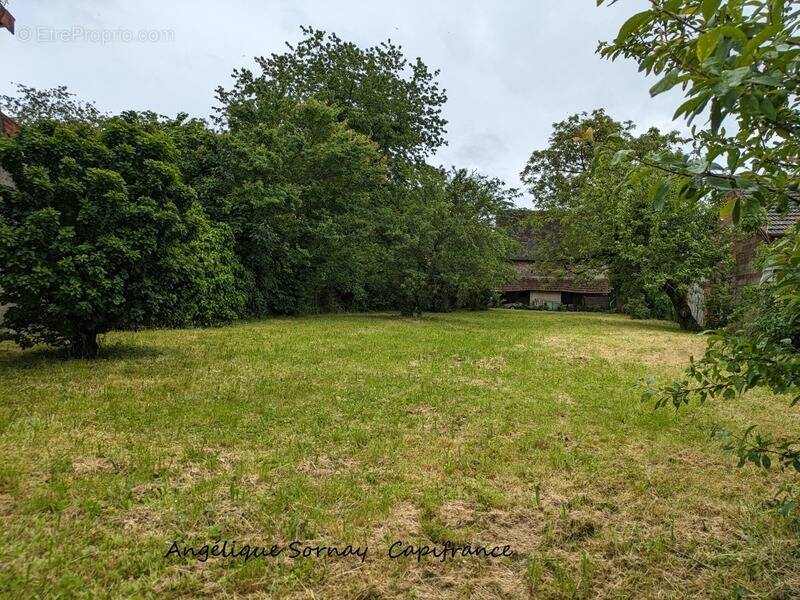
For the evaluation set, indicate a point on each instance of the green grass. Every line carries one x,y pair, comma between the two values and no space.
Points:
497,428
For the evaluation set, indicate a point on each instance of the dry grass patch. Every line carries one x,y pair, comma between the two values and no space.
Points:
93,464
666,351
323,466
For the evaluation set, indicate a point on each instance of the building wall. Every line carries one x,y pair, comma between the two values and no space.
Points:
596,301
537,298
696,299
746,273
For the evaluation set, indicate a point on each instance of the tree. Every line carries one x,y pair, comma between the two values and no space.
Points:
102,233
736,60
447,251
299,195
376,90
30,104
556,174
605,221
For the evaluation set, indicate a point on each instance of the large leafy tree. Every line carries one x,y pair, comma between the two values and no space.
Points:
299,194
738,63
556,174
599,211
376,90
102,233
446,250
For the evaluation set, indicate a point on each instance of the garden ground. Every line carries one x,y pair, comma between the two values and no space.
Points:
503,427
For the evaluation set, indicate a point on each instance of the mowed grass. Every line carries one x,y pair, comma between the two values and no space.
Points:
488,428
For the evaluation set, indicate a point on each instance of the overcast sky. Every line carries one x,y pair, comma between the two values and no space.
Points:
510,68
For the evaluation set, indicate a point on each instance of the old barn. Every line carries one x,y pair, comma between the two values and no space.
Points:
539,285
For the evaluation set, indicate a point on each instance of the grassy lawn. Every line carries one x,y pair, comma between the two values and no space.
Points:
495,428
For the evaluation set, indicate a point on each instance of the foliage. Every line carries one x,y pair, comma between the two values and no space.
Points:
376,91
446,251
556,174
637,308
299,196
601,208
739,60
30,104
719,300
346,233
319,185
101,233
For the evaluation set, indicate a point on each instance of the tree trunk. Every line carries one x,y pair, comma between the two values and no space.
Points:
85,345
683,313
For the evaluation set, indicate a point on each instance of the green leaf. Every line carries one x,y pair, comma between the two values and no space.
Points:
727,209
776,8
716,116
697,167
632,24
668,82
621,155
687,107
750,103
707,43
733,159
709,8
659,194
734,33
769,109
734,77
736,215
751,46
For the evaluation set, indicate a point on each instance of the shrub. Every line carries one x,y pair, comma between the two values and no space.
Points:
636,308
101,233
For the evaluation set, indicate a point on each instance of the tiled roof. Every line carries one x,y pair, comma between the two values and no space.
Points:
559,284
778,223
534,243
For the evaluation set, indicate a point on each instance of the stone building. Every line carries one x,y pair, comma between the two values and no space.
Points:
746,271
